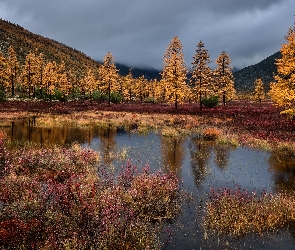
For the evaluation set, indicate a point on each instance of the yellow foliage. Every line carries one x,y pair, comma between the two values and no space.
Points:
282,91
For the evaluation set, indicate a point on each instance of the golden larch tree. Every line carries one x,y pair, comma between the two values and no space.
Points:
201,75
282,92
259,93
128,86
89,82
39,73
29,75
50,77
3,74
63,83
174,73
141,88
223,77
12,69
108,74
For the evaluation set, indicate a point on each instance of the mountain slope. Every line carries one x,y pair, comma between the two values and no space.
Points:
24,41
245,78
149,73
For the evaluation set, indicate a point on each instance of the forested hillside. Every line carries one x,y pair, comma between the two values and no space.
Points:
266,69
34,66
24,41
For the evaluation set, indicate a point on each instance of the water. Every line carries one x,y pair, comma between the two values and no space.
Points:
200,165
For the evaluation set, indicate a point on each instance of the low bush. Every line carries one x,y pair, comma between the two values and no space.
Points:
59,199
211,134
116,97
150,100
239,212
210,102
2,96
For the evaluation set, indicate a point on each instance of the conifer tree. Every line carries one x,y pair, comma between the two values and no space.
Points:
12,69
50,78
141,88
3,75
63,83
128,86
174,73
282,92
259,94
109,75
201,73
89,82
224,79
29,74
40,72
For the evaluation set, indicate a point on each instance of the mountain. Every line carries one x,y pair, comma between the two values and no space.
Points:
266,69
149,73
24,41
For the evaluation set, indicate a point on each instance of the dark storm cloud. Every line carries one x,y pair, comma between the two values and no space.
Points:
137,32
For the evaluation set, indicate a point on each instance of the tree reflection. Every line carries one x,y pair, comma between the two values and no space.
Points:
200,152
26,131
172,152
222,153
108,143
282,164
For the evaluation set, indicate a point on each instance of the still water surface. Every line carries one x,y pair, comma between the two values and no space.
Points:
200,165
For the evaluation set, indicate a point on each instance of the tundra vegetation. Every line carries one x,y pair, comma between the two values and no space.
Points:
64,198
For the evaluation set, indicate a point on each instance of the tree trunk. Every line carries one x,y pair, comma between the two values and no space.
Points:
201,104
223,99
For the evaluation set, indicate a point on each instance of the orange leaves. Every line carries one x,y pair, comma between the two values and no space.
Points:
174,73
282,92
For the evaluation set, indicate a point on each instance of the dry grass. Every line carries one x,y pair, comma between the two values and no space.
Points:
237,212
248,123
211,134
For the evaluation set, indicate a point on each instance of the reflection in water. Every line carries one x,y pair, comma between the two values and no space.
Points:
282,164
172,152
108,143
249,168
222,153
26,130
200,152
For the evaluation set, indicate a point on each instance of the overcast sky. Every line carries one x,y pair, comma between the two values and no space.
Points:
138,32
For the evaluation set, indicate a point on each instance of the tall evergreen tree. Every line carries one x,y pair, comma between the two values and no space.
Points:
63,84
224,79
109,75
29,74
90,82
282,92
201,75
12,68
259,94
128,86
174,73
3,74
50,78
40,72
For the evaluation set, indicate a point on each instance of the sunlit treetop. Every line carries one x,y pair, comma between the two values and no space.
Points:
282,91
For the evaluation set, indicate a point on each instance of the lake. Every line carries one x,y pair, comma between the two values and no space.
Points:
200,165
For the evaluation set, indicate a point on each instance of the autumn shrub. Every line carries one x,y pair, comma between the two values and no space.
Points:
150,100
239,212
2,96
59,199
211,134
210,102
116,97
